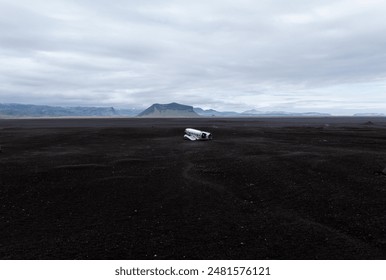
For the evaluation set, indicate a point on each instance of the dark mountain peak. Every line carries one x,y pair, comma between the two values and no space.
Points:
172,106
168,110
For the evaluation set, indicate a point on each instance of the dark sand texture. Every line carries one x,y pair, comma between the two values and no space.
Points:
266,188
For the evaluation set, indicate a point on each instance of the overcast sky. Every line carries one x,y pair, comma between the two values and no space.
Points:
298,55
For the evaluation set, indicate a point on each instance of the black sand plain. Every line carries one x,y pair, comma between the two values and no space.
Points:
264,188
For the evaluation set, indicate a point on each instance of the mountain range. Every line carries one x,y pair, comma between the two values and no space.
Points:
179,110
12,110
253,112
27,110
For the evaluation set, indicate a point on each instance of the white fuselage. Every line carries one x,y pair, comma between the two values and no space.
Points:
194,134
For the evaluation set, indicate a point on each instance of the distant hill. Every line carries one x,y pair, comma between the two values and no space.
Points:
369,115
27,110
128,112
168,110
214,113
24,110
254,112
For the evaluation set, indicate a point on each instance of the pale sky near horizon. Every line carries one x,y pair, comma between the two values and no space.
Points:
318,55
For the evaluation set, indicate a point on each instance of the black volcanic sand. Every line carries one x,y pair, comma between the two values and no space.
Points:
266,188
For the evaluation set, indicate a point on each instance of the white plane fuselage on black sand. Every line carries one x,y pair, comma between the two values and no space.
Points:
194,135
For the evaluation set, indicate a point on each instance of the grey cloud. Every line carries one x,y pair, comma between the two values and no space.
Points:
223,54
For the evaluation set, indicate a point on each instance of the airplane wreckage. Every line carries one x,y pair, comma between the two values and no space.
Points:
194,135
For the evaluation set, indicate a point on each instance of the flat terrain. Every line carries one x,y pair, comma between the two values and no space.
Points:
264,188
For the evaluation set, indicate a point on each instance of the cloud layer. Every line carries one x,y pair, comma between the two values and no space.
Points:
291,55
